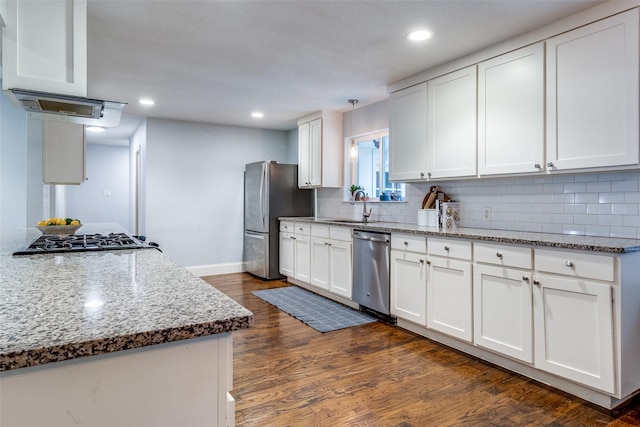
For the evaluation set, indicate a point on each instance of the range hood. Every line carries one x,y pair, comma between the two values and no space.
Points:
67,108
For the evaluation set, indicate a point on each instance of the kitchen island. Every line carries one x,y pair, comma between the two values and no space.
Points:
124,337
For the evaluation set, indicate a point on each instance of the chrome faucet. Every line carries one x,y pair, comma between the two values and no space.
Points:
365,214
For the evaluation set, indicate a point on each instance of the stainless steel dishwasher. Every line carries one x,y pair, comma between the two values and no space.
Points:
371,252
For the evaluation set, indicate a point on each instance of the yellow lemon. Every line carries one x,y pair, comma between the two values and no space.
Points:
75,222
61,221
41,223
51,221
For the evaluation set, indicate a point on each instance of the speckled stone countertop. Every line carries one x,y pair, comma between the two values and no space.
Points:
563,241
55,307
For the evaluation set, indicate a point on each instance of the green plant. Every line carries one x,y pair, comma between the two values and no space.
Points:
355,187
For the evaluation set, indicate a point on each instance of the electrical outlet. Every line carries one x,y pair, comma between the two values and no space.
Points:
486,214
106,193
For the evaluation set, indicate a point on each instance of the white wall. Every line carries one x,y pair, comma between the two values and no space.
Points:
194,187
107,169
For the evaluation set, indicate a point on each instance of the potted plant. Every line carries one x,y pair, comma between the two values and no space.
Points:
355,188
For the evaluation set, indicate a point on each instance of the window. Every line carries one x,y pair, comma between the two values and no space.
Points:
370,167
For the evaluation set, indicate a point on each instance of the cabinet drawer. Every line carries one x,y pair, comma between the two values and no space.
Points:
409,242
340,233
319,230
508,256
450,248
303,228
576,264
286,226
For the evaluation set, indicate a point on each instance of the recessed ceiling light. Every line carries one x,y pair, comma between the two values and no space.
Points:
257,115
419,35
147,101
94,129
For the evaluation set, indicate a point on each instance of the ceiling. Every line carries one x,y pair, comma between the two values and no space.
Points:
218,61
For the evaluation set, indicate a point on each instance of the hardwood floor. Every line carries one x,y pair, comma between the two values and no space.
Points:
288,374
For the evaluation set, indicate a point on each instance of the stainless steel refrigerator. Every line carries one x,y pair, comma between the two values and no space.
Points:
270,191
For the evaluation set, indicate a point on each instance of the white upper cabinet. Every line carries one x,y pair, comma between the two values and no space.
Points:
592,95
44,46
63,153
408,134
451,124
511,112
320,149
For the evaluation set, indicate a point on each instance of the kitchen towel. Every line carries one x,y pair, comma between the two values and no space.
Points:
319,312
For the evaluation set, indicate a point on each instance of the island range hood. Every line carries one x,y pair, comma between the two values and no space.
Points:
72,109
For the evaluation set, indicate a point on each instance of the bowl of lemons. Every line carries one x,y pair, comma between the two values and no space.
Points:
58,226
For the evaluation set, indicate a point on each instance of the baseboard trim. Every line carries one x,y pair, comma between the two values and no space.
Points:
216,269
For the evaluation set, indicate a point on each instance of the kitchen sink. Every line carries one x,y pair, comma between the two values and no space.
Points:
348,221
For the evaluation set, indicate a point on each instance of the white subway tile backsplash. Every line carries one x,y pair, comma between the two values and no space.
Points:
605,204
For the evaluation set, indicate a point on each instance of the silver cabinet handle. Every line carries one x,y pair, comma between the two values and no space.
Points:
446,248
536,282
550,164
537,166
421,261
428,262
429,174
498,254
569,263
421,174
406,243
525,278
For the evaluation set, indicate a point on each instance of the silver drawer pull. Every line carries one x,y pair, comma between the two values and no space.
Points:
525,278
498,254
446,248
428,262
406,243
536,282
537,166
550,164
421,261
569,263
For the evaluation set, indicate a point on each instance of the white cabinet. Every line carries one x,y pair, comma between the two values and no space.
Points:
320,149
593,95
408,134
502,300
63,153
449,287
409,280
295,251
48,55
331,259
573,317
511,112
451,124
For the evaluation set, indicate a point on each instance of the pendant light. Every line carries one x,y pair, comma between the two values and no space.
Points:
354,149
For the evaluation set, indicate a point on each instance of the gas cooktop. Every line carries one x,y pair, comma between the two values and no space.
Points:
82,243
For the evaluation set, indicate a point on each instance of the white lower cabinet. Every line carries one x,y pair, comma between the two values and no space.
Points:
409,286
502,311
449,297
330,256
302,258
573,324
287,263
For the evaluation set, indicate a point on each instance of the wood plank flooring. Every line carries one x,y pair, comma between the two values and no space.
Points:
288,374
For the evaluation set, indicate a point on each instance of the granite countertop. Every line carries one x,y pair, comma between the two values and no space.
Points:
55,307
563,241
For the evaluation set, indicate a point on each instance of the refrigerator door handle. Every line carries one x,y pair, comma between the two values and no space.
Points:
254,235
263,196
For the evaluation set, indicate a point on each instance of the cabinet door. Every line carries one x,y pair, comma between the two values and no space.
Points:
511,112
449,297
302,258
315,160
286,254
592,95
340,268
320,265
408,134
574,330
451,124
304,156
409,286
63,153
502,313
44,47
